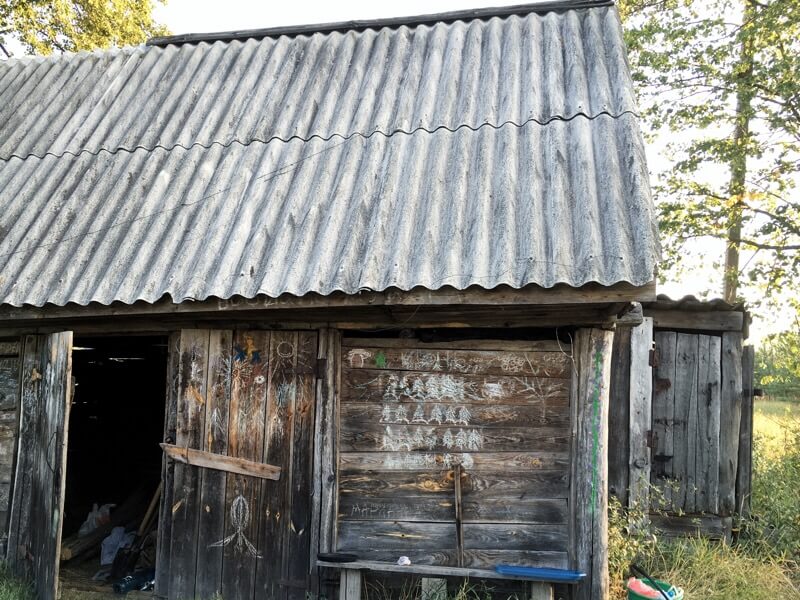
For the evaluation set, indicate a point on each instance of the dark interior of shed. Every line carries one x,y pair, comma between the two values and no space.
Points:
115,425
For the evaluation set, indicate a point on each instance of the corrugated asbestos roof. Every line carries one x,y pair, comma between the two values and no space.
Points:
482,152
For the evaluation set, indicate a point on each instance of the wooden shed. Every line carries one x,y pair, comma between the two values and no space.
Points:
682,405
344,288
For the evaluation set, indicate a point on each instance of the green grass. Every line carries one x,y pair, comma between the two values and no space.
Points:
13,589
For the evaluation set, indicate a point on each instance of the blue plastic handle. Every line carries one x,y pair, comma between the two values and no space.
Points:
541,573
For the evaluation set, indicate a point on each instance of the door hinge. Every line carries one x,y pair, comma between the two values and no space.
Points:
653,358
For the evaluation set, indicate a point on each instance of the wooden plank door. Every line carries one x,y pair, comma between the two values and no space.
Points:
38,495
686,423
250,395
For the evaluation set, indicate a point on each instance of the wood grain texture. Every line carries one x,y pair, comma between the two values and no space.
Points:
164,544
686,364
219,462
593,349
190,418
619,416
641,392
213,483
744,472
706,463
663,414
730,420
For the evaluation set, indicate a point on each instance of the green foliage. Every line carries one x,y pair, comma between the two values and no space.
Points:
718,78
778,365
45,26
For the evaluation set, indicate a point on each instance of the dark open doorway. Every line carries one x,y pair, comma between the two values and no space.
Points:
116,423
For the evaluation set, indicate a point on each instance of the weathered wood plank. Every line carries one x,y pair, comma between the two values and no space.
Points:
437,508
711,526
219,462
696,321
242,547
641,398
401,536
730,420
475,344
479,559
190,419
685,396
20,514
476,461
425,570
466,362
350,585
706,492
663,414
164,544
355,437
213,509
298,551
744,473
370,385
474,415
619,416
9,383
326,422
593,349
478,485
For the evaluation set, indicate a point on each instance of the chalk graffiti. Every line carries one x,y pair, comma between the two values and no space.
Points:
428,438
284,394
426,414
217,423
247,352
240,518
358,358
418,460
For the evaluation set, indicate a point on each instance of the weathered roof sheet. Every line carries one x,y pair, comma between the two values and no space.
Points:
486,152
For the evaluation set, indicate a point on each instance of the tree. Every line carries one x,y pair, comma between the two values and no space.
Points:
720,77
45,26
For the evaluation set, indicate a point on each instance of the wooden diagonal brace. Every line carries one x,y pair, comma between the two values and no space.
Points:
219,462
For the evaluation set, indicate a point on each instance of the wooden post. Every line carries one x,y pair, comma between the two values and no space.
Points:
350,585
745,466
589,493
540,591
730,419
459,515
641,401
619,416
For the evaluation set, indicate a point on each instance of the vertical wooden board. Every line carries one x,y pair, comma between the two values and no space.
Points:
297,550
164,544
242,551
282,394
730,420
190,420
744,472
326,432
641,398
707,443
589,461
619,416
9,382
695,426
213,483
663,414
19,539
685,385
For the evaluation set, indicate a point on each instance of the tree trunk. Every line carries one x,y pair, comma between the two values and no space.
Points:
738,162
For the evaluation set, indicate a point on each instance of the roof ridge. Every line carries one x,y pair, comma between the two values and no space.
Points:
392,22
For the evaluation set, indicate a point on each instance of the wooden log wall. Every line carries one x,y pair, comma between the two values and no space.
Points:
9,424
411,412
245,394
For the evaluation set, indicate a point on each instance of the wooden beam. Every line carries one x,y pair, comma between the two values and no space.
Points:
589,492
696,321
641,402
229,464
459,515
350,585
502,296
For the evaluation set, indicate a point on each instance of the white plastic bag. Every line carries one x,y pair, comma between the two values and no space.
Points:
97,517
114,541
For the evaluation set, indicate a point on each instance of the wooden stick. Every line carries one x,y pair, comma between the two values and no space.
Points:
219,462
459,516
